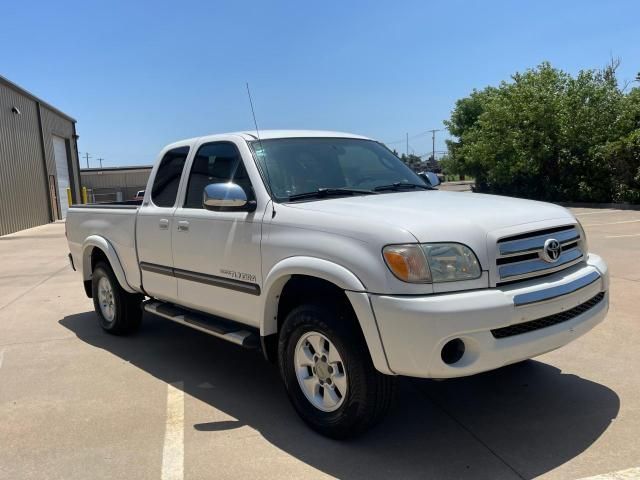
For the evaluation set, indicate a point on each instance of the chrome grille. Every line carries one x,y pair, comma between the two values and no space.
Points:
521,256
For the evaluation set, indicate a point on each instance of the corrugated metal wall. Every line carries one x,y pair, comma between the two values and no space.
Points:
24,167
23,193
105,182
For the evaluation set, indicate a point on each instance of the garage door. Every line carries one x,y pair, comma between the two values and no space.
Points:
62,172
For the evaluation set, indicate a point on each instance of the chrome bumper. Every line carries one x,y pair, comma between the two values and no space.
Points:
556,291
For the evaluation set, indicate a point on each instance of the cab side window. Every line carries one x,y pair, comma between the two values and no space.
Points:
165,185
215,163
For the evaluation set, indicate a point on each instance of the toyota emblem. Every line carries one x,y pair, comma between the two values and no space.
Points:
552,250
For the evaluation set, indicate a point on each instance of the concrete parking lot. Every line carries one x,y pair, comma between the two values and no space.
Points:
172,403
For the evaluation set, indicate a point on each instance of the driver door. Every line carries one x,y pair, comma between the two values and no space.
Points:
216,254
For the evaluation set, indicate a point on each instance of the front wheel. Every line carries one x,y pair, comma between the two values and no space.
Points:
328,373
118,311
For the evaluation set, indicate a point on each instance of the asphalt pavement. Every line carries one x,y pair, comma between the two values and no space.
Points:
172,403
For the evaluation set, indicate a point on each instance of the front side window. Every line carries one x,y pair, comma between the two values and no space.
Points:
167,180
294,166
215,163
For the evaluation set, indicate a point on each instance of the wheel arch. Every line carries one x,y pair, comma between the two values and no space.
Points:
91,246
325,274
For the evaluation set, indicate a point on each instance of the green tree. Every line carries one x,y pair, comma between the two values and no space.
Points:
622,156
546,135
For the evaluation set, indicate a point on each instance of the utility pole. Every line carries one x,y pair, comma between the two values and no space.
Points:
87,156
100,160
433,143
407,144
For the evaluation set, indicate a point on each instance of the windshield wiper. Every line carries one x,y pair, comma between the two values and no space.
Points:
400,186
325,192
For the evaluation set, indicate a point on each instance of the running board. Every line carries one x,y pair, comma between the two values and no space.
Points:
218,327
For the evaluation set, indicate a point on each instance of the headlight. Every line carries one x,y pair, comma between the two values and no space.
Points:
583,238
432,262
407,262
451,261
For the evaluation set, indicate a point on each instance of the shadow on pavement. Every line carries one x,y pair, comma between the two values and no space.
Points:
531,415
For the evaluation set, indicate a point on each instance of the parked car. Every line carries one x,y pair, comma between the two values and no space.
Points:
341,264
139,195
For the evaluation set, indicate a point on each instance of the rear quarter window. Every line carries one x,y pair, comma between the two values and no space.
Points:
165,185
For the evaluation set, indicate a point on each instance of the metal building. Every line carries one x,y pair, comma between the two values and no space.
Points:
114,183
38,160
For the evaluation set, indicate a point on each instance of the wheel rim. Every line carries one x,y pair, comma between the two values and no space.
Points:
106,299
320,371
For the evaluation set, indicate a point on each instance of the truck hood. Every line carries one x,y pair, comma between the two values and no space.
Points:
436,216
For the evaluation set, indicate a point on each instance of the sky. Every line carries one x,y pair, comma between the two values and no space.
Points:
139,75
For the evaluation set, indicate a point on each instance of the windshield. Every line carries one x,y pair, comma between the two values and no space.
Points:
294,166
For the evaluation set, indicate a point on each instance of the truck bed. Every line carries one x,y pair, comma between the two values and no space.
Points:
115,221
125,203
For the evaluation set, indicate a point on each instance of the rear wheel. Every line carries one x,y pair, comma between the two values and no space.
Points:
328,373
118,311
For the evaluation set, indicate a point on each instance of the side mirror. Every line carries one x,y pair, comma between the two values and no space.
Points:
431,178
226,196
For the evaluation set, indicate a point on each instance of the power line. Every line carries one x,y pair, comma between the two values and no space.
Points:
410,137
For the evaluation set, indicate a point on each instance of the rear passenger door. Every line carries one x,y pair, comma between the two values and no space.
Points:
217,253
154,226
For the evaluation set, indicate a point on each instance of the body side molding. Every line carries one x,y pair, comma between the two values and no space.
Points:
214,280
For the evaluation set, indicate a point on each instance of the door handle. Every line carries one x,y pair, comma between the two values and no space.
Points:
183,226
163,224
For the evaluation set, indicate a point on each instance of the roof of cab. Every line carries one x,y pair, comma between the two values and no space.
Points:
271,134
267,135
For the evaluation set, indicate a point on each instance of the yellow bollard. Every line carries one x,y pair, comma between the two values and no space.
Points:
69,197
84,195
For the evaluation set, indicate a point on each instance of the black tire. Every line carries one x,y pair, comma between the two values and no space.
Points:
369,393
126,306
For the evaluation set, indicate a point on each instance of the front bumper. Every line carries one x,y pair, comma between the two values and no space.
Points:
415,329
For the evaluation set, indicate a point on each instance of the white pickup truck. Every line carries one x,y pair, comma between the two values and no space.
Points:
341,264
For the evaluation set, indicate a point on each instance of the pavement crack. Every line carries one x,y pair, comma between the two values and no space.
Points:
469,431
